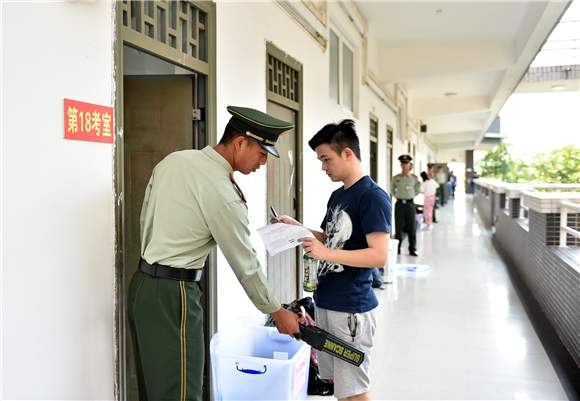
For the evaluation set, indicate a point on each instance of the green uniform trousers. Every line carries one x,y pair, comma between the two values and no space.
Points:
405,223
166,320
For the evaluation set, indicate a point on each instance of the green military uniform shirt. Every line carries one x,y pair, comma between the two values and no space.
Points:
405,186
191,205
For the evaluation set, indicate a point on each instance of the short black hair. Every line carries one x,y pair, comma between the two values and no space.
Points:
230,133
424,176
338,136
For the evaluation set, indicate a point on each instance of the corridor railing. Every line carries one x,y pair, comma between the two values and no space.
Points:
536,229
564,229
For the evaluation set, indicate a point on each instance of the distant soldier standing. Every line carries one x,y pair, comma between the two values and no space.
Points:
405,186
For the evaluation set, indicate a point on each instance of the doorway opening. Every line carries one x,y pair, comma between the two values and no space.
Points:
284,182
165,101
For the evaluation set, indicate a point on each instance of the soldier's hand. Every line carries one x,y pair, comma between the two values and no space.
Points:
286,321
287,220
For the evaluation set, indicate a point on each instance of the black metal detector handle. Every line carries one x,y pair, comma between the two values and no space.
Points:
323,341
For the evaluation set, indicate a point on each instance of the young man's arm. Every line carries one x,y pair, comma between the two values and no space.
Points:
375,219
374,256
320,236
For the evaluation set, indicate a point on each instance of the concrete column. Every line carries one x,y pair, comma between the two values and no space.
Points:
468,170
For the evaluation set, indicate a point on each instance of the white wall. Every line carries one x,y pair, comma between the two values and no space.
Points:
370,104
451,156
241,55
58,215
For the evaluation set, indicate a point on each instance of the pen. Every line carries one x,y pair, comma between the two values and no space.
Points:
274,214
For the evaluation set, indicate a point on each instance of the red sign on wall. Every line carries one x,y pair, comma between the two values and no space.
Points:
88,122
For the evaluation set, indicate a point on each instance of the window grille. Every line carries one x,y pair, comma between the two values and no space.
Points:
552,73
283,80
177,30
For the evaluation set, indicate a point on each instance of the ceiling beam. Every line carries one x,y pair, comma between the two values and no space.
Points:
424,108
452,137
456,145
441,59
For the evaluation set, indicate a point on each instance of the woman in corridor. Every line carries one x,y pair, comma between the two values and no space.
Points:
429,188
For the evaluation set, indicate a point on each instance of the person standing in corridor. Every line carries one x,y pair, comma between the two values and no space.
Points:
191,204
429,189
405,186
354,240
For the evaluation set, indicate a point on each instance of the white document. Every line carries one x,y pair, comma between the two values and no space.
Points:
279,237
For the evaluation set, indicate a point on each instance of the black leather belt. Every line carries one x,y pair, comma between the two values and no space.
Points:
404,201
173,273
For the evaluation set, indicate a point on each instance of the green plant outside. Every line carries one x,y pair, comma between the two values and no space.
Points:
558,166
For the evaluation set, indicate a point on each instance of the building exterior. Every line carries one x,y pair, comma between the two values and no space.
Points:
168,70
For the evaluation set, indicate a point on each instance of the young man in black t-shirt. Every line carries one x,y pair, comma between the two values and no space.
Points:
354,240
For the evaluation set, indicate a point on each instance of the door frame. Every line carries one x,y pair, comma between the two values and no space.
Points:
119,327
374,139
298,108
389,142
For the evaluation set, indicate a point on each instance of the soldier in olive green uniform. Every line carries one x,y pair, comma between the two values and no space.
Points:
191,204
405,186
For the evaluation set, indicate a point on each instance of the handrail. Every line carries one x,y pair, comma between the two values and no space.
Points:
571,205
564,229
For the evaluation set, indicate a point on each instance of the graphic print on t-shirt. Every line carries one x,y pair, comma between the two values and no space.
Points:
338,231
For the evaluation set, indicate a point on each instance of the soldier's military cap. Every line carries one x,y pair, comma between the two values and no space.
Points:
405,159
259,126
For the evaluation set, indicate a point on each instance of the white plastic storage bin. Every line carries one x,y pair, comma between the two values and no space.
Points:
258,363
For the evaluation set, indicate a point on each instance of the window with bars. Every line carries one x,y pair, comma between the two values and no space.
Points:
180,25
341,72
283,80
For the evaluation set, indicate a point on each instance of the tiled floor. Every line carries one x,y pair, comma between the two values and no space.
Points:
459,331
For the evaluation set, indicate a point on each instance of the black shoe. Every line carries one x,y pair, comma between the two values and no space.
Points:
413,253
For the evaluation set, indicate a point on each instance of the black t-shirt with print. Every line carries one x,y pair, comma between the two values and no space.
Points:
351,214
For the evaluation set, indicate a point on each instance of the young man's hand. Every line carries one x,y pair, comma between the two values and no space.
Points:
314,248
286,220
286,321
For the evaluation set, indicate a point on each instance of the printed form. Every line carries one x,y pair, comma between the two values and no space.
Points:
279,237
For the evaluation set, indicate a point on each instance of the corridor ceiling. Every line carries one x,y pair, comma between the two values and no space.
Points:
458,61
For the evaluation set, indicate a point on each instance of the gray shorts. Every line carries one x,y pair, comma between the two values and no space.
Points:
349,380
